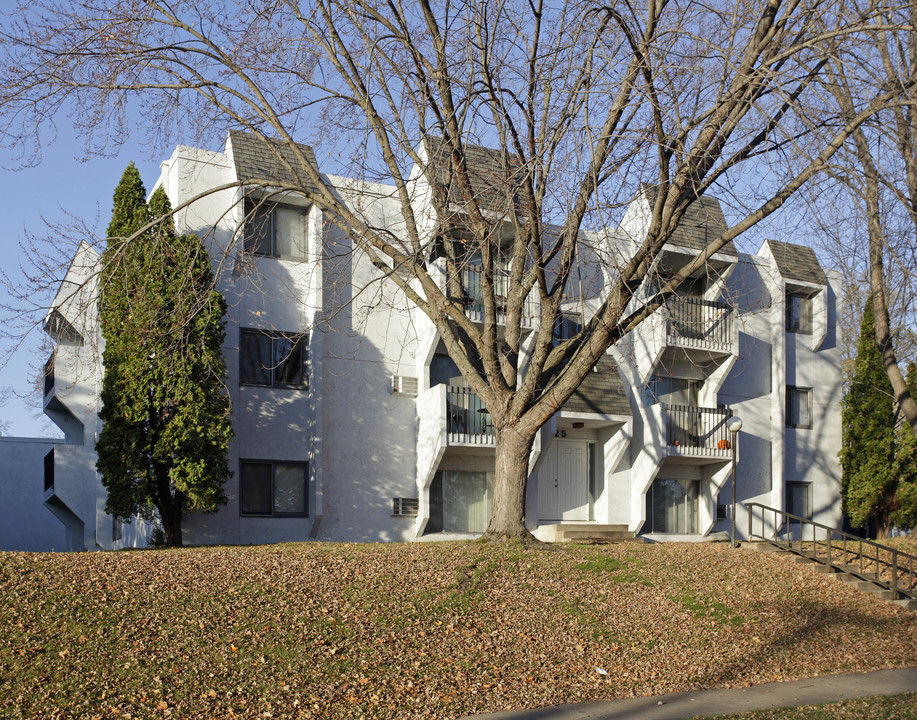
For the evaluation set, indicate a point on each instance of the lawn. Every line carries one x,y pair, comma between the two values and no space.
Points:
417,631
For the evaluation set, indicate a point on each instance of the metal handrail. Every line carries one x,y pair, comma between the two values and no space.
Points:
891,568
467,419
695,322
694,430
472,279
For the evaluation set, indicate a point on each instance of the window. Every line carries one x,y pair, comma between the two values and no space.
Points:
799,499
274,359
460,501
274,489
798,407
798,313
674,391
566,325
672,506
275,230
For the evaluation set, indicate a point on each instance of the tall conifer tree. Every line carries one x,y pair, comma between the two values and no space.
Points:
165,411
868,450
904,513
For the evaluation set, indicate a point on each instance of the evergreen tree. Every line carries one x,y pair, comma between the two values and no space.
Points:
868,450
165,411
904,513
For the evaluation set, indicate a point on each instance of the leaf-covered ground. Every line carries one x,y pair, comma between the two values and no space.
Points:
417,631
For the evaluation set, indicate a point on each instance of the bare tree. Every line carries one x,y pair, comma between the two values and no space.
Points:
5,394
585,105
881,174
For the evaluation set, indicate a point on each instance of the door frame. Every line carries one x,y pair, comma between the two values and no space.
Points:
550,473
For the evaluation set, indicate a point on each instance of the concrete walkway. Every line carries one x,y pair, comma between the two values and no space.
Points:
683,705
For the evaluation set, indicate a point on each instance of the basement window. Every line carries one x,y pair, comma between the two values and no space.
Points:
799,499
274,489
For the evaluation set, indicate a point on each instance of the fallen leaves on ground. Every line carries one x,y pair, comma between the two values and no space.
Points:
421,630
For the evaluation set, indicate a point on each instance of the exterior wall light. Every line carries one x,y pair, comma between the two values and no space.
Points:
733,425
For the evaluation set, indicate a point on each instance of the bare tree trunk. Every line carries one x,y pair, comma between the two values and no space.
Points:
511,470
906,404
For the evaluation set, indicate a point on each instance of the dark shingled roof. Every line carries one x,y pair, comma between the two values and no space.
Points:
702,222
256,159
601,392
494,181
797,262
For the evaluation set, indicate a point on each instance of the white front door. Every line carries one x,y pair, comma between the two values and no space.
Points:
563,482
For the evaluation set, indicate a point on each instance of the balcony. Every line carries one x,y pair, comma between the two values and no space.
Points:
692,431
701,331
467,420
702,324
473,298
450,416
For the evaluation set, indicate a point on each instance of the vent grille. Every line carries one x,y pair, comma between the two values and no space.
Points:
404,385
405,507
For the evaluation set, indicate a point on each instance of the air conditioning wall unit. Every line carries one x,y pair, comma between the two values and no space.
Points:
405,507
404,385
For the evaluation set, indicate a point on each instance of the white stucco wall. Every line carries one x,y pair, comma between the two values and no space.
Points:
369,434
366,445
770,359
25,523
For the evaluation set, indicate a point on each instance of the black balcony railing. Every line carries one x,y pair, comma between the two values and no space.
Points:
693,322
49,376
691,430
473,297
467,420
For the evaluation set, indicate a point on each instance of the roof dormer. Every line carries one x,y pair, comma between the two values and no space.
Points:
801,287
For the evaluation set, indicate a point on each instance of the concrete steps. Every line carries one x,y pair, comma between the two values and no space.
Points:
588,533
864,581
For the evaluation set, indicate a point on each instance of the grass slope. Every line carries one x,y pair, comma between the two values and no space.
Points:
896,707
417,631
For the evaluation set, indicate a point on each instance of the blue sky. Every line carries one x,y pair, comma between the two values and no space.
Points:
59,186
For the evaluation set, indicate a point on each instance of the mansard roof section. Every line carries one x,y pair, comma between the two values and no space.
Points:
702,222
259,160
796,263
601,392
495,176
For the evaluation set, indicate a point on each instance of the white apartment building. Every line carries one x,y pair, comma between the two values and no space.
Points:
352,423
